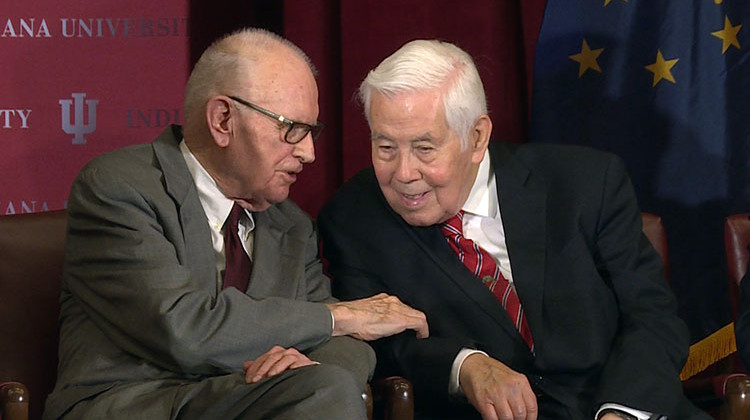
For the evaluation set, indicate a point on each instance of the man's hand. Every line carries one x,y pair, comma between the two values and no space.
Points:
375,317
497,391
273,362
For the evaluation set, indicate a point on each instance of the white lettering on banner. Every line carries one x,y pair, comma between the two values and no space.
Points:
10,117
30,27
124,27
148,118
25,28
26,207
78,128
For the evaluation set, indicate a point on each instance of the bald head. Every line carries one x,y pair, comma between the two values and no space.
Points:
247,91
233,62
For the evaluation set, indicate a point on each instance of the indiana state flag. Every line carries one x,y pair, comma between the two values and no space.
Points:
664,84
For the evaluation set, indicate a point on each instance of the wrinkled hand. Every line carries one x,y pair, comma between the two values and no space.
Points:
375,317
497,391
273,362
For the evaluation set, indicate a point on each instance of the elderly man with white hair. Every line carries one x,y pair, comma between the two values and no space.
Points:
543,297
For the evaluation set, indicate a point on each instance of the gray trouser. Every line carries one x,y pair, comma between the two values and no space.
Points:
331,390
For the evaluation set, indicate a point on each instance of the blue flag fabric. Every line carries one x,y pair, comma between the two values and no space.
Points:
666,86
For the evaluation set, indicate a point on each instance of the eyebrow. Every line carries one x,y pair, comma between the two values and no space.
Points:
422,137
379,136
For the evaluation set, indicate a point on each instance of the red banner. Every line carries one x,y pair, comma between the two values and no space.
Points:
79,79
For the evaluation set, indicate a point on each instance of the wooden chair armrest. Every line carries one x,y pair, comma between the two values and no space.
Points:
729,394
367,396
14,401
397,396
736,389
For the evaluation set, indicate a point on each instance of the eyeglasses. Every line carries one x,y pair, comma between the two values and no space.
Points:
295,131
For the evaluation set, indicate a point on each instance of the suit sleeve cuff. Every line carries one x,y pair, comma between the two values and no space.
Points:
640,415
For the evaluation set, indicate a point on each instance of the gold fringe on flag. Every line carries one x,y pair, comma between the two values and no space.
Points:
710,350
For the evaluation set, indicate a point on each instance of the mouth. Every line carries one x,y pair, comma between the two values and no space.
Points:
291,175
411,200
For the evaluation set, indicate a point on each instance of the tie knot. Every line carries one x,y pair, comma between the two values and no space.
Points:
454,225
234,217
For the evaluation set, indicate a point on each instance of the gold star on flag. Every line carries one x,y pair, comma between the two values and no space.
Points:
607,2
587,59
728,35
662,68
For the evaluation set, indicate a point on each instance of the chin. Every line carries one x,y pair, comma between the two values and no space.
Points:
275,195
419,219
253,205
278,198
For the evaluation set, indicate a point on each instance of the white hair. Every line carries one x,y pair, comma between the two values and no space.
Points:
424,65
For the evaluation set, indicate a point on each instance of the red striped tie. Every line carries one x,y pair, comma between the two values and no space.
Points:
239,266
481,263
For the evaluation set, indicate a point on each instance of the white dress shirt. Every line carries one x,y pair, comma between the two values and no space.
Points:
217,207
482,224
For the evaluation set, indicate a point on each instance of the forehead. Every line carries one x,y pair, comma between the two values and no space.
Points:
407,115
282,82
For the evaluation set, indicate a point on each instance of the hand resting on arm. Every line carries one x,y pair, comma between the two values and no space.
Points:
367,319
375,317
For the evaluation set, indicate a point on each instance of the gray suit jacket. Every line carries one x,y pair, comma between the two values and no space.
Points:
139,292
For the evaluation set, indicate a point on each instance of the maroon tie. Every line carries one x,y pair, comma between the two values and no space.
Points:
239,266
481,263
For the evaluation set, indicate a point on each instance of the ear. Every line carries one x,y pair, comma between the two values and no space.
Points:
219,119
479,138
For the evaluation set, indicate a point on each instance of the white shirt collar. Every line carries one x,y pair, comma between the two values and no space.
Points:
482,199
215,204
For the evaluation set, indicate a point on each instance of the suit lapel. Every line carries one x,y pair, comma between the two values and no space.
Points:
271,230
273,254
523,211
179,185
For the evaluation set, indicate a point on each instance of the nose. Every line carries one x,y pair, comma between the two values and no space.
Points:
406,168
305,149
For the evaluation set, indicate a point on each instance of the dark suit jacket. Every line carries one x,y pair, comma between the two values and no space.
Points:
601,313
139,293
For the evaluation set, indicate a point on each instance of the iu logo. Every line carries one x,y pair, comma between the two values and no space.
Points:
78,128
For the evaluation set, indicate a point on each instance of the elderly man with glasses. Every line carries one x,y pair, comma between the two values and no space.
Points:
192,287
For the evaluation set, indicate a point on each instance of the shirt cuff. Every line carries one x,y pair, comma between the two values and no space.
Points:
641,415
454,387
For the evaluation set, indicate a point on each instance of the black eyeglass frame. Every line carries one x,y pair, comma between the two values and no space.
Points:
314,130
